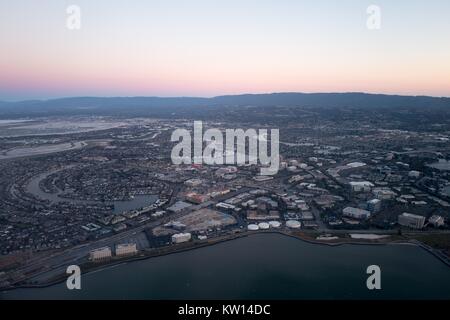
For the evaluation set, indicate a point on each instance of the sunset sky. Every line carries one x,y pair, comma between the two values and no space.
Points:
216,47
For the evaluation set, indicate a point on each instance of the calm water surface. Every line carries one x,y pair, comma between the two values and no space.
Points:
264,266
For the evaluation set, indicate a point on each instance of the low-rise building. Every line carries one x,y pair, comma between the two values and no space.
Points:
126,249
361,186
436,221
120,227
196,198
374,205
307,215
414,174
181,237
117,219
193,182
178,206
384,193
226,206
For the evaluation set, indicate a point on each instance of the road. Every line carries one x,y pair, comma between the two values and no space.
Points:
58,262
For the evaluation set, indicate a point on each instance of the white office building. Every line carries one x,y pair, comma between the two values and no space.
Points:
126,249
411,220
100,254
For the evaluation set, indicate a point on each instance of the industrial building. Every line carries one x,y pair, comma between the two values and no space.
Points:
411,220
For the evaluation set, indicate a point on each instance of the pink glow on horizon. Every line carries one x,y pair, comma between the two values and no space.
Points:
166,75
59,83
208,48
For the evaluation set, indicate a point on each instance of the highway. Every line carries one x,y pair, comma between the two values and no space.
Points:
58,262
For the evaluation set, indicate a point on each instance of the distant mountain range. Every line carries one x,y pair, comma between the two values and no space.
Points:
149,105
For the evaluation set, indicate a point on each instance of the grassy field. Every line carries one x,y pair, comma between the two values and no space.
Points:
437,241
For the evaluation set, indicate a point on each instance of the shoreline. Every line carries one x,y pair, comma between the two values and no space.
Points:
90,267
